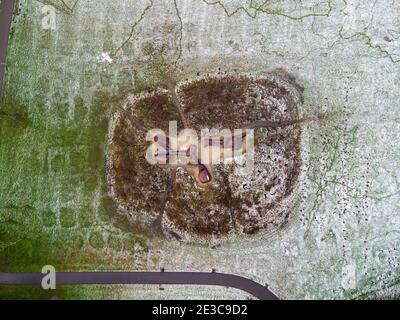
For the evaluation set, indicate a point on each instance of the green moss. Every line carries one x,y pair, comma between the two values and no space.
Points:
67,218
75,241
87,217
49,218
58,163
96,240
80,109
78,161
114,242
13,114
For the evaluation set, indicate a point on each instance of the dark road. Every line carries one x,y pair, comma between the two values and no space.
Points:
6,11
156,278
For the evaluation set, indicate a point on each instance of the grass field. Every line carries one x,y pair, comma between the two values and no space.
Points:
343,238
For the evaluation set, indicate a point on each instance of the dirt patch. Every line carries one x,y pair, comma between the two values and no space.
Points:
236,200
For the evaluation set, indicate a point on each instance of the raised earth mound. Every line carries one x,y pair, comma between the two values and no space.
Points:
234,200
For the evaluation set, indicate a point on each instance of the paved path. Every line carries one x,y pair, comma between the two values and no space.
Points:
6,11
156,278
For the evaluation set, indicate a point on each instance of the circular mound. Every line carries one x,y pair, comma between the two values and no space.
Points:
235,201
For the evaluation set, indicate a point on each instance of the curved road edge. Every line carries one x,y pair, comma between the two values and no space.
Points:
6,14
156,278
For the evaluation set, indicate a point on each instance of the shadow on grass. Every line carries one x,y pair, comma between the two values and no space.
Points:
13,113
